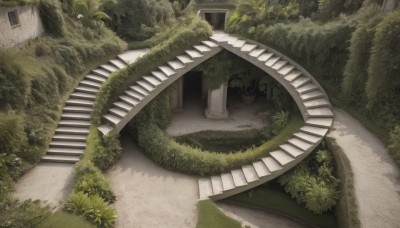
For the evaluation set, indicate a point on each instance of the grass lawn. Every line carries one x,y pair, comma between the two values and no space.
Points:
64,220
134,44
210,216
273,199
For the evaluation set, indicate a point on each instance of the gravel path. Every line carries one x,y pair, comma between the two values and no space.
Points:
51,182
151,196
376,175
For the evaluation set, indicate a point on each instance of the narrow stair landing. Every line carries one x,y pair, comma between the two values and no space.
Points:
69,140
312,102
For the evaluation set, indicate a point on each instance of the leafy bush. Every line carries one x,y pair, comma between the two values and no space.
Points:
312,182
95,184
42,50
12,135
195,30
279,121
93,209
172,155
394,143
28,213
52,18
107,152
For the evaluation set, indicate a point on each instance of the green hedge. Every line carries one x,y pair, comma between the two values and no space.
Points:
188,32
172,155
52,18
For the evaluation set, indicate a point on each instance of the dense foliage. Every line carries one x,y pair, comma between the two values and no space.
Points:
52,18
394,143
313,182
185,33
140,19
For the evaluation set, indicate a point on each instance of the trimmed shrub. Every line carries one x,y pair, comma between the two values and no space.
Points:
355,72
195,30
52,18
12,135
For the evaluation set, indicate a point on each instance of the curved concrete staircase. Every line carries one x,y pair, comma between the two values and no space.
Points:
69,140
308,94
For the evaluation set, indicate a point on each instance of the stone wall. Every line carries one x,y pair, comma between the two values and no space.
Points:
30,26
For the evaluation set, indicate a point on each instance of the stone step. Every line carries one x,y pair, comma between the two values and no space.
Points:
248,48
68,144
72,130
205,188
279,65
319,112
293,75
271,164
312,95
320,122
86,96
307,137
257,52
90,83
201,48
146,86
74,123
238,177
80,102
123,105
286,70
238,43
300,81
291,150
112,118
193,54
139,90
61,158
261,169
227,181
264,57
317,103
95,78
176,65
230,39
75,116
167,70
307,88
67,137
151,80
129,100
135,95
77,109
117,63
109,68
302,145
271,61
316,131
65,151
281,157
250,173
159,75
101,72
216,183
210,44
85,89
105,129
118,112
184,59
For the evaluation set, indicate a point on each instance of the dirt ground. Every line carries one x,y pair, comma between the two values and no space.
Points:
377,183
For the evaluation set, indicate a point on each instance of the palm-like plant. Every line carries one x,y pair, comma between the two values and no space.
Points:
90,9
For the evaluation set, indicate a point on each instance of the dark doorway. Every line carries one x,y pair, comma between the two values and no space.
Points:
216,20
192,90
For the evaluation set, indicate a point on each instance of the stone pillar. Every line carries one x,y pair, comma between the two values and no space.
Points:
177,95
217,103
